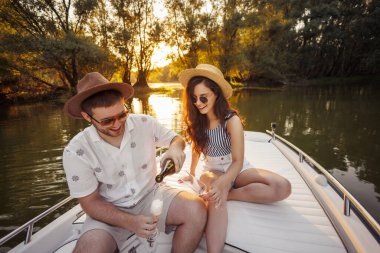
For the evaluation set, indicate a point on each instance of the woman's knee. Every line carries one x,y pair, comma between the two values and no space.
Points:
208,177
283,189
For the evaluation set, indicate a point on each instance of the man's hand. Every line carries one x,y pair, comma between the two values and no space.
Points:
143,226
175,152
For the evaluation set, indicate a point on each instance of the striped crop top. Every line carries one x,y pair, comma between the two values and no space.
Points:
219,142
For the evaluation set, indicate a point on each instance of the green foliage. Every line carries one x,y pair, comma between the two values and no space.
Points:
278,40
54,43
46,37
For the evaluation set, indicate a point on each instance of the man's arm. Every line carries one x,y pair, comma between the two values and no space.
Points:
175,152
96,207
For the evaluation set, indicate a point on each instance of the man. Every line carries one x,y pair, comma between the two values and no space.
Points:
110,167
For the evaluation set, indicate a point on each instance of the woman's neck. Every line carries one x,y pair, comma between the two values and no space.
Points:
213,122
211,116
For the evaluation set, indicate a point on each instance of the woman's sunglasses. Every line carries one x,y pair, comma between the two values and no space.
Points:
203,99
111,120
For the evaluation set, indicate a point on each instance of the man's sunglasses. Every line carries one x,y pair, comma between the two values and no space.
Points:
111,120
203,99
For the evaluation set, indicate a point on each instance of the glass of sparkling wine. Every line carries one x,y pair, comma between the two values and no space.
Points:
196,185
155,210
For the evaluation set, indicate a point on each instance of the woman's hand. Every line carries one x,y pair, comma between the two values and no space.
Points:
218,192
186,178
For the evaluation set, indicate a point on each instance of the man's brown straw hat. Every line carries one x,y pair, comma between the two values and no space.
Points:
89,85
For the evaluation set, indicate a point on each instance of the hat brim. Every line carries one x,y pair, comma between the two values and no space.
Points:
185,76
73,108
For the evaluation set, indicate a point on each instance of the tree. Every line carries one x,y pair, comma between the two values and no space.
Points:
339,38
124,37
49,40
232,20
149,34
185,24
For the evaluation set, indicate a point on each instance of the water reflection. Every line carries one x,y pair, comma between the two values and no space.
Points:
167,109
337,126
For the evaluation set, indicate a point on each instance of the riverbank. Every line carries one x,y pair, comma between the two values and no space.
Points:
265,83
30,95
341,81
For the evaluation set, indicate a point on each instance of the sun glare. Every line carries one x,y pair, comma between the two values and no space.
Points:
166,110
159,10
137,107
160,55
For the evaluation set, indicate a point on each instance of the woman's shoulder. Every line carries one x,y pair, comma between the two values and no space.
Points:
230,114
232,120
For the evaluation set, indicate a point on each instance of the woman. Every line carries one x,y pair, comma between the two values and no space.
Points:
215,130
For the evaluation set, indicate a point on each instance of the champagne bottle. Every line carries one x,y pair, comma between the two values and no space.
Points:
168,169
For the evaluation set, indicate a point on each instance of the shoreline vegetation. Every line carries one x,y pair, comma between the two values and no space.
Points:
36,94
46,48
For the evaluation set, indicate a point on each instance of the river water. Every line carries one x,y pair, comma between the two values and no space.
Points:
338,126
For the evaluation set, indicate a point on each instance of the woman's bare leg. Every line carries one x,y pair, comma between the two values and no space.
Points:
217,221
260,186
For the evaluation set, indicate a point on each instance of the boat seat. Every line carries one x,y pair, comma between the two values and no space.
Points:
296,224
68,247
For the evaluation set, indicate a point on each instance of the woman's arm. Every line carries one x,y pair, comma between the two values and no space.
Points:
221,186
236,133
194,162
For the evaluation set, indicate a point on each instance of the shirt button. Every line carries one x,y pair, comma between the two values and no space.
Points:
222,158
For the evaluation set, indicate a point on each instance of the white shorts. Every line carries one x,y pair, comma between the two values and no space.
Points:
121,235
221,163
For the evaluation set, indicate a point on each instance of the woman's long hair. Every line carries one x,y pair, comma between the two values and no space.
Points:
197,123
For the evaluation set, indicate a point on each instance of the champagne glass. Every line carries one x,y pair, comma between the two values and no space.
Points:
196,185
155,210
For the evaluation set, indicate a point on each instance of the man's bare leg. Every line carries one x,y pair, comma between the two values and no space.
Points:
96,241
188,212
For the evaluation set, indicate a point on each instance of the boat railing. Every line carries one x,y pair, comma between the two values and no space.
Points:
348,199
28,226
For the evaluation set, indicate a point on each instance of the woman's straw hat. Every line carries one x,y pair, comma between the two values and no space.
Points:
90,84
209,71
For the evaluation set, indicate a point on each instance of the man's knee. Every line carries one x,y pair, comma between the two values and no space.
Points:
198,212
194,210
95,241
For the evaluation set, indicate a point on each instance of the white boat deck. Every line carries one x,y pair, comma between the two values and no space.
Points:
297,224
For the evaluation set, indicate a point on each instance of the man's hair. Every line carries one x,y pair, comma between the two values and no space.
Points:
105,98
